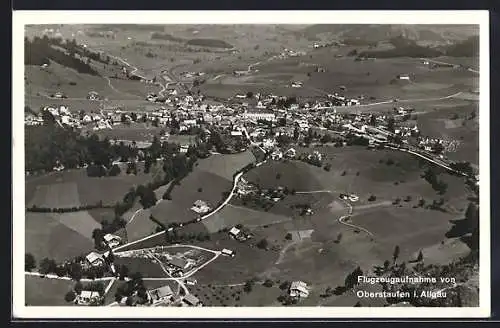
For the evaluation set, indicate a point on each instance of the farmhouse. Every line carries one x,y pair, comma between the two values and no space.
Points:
234,232
87,297
112,240
299,289
95,259
160,295
228,252
200,207
191,300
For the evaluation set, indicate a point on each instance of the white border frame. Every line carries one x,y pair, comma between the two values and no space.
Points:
21,18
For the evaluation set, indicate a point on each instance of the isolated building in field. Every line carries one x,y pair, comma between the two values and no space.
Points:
95,259
234,232
160,295
200,207
299,289
227,252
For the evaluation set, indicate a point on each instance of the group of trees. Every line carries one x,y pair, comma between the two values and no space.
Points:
48,145
41,51
135,286
38,209
438,185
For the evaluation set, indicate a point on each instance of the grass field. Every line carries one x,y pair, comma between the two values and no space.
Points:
81,222
144,266
140,226
46,292
46,236
136,132
74,188
101,214
232,215
293,175
198,185
226,165
56,195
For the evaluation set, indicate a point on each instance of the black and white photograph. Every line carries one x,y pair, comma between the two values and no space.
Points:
250,164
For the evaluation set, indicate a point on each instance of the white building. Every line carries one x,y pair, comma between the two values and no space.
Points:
234,232
112,240
228,252
87,297
259,115
299,289
95,259
160,295
200,207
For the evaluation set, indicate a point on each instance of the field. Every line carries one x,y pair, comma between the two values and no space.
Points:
198,185
46,236
232,215
136,132
144,266
46,292
293,175
74,188
140,226
225,165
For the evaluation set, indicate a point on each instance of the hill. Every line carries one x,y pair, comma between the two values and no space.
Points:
377,33
41,51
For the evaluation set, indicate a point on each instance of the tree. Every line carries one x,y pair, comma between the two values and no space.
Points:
114,171
75,271
358,304
249,94
29,262
98,236
339,238
395,254
78,288
472,217
285,285
268,283
420,256
70,296
263,243
288,236
248,286
386,264
390,124
47,266
372,198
